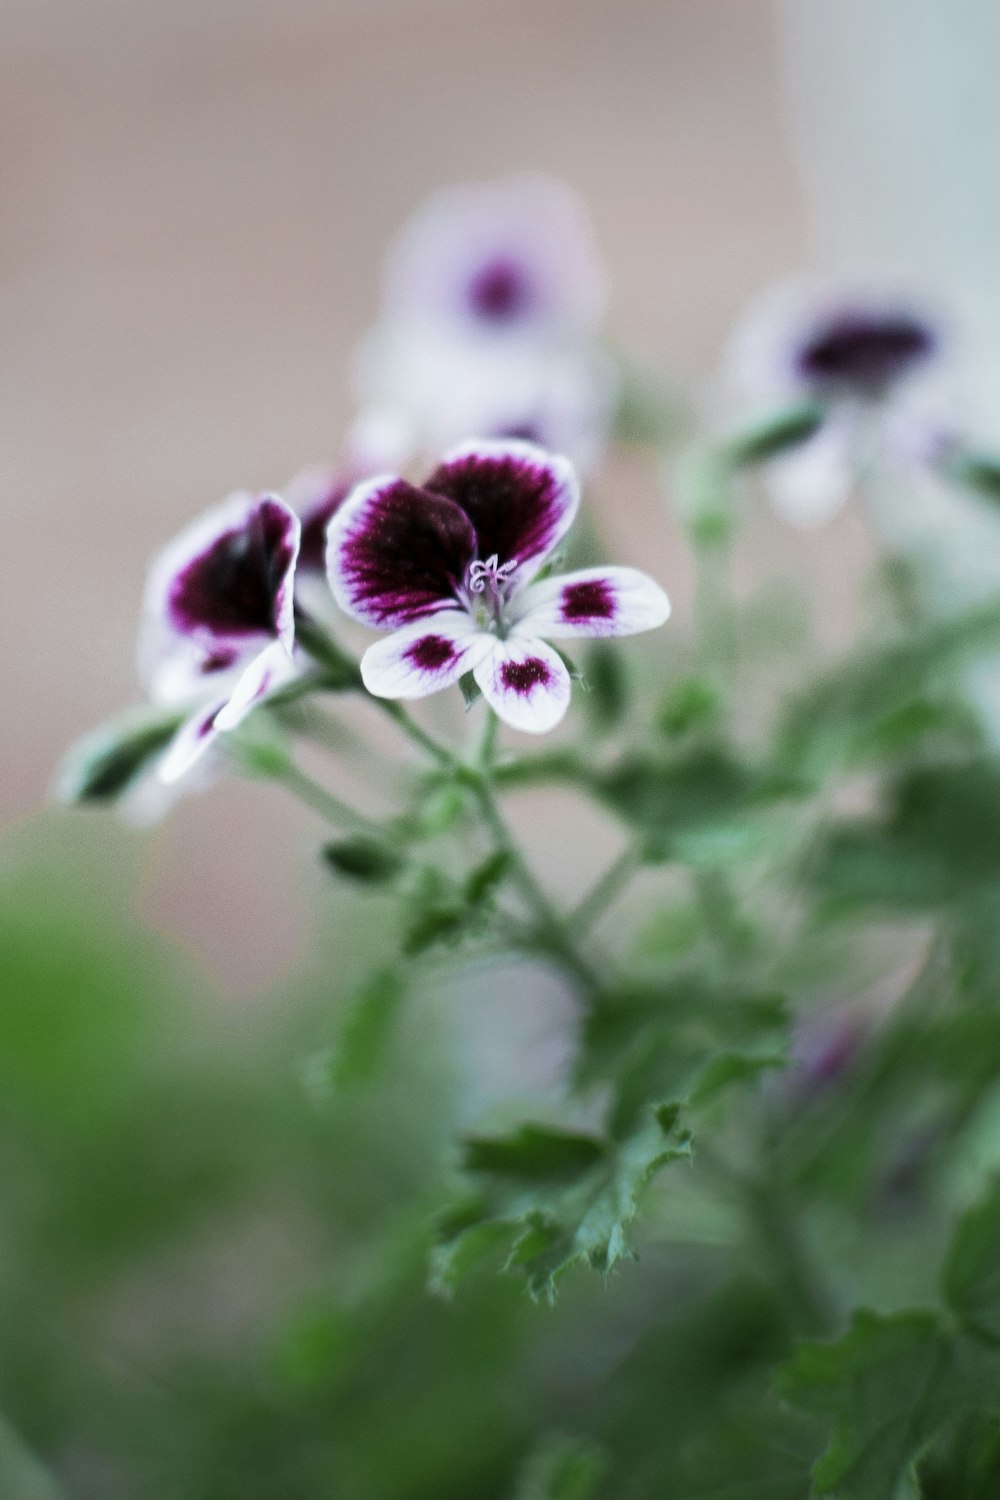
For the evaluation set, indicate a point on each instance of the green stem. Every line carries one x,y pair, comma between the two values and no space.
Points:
548,928
796,1279
395,711
329,806
605,890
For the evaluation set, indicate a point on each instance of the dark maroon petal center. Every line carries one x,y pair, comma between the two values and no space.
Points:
315,519
864,353
232,588
407,553
522,677
431,653
591,600
501,292
514,503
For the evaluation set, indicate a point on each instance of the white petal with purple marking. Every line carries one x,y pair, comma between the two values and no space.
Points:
396,553
271,670
591,602
526,684
225,584
424,657
194,738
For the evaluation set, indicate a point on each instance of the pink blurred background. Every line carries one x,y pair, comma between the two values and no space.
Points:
196,201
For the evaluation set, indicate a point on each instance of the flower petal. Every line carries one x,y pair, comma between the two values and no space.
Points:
268,672
520,499
526,684
396,553
223,588
424,657
314,495
194,738
592,602
809,485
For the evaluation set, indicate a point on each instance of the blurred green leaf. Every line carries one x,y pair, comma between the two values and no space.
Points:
560,1197
891,1384
368,860
774,433
971,1281
365,1032
562,1468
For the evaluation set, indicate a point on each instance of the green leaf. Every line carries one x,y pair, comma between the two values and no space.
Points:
558,1196
842,718
108,761
971,1280
693,705
606,679
698,809
364,1034
890,1384
562,1468
370,861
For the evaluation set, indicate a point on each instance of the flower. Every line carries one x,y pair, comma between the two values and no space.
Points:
502,260
218,627
493,296
448,567
852,350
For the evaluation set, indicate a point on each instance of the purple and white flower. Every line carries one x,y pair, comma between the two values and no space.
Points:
449,568
489,326
511,259
218,628
856,351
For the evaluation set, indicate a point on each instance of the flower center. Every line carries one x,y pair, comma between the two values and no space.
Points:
490,582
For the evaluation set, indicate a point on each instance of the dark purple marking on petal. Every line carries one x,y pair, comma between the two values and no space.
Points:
522,677
204,726
431,653
593,599
406,552
233,587
866,353
524,432
501,292
219,660
315,519
515,504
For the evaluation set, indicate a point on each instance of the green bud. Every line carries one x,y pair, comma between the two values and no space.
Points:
367,860
104,764
773,435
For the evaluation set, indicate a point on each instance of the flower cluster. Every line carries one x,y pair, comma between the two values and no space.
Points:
493,300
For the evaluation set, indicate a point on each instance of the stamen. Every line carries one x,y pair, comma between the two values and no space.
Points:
491,571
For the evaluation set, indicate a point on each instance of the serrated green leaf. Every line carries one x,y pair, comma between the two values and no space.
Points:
560,1197
890,1384
971,1278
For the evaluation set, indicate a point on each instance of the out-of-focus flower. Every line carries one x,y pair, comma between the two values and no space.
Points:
513,259
493,296
218,627
857,353
448,567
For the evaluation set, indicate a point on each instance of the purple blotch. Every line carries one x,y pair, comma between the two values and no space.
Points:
408,551
431,653
514,504
218,661
864,352
232,588
592,599
524,676
500,292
